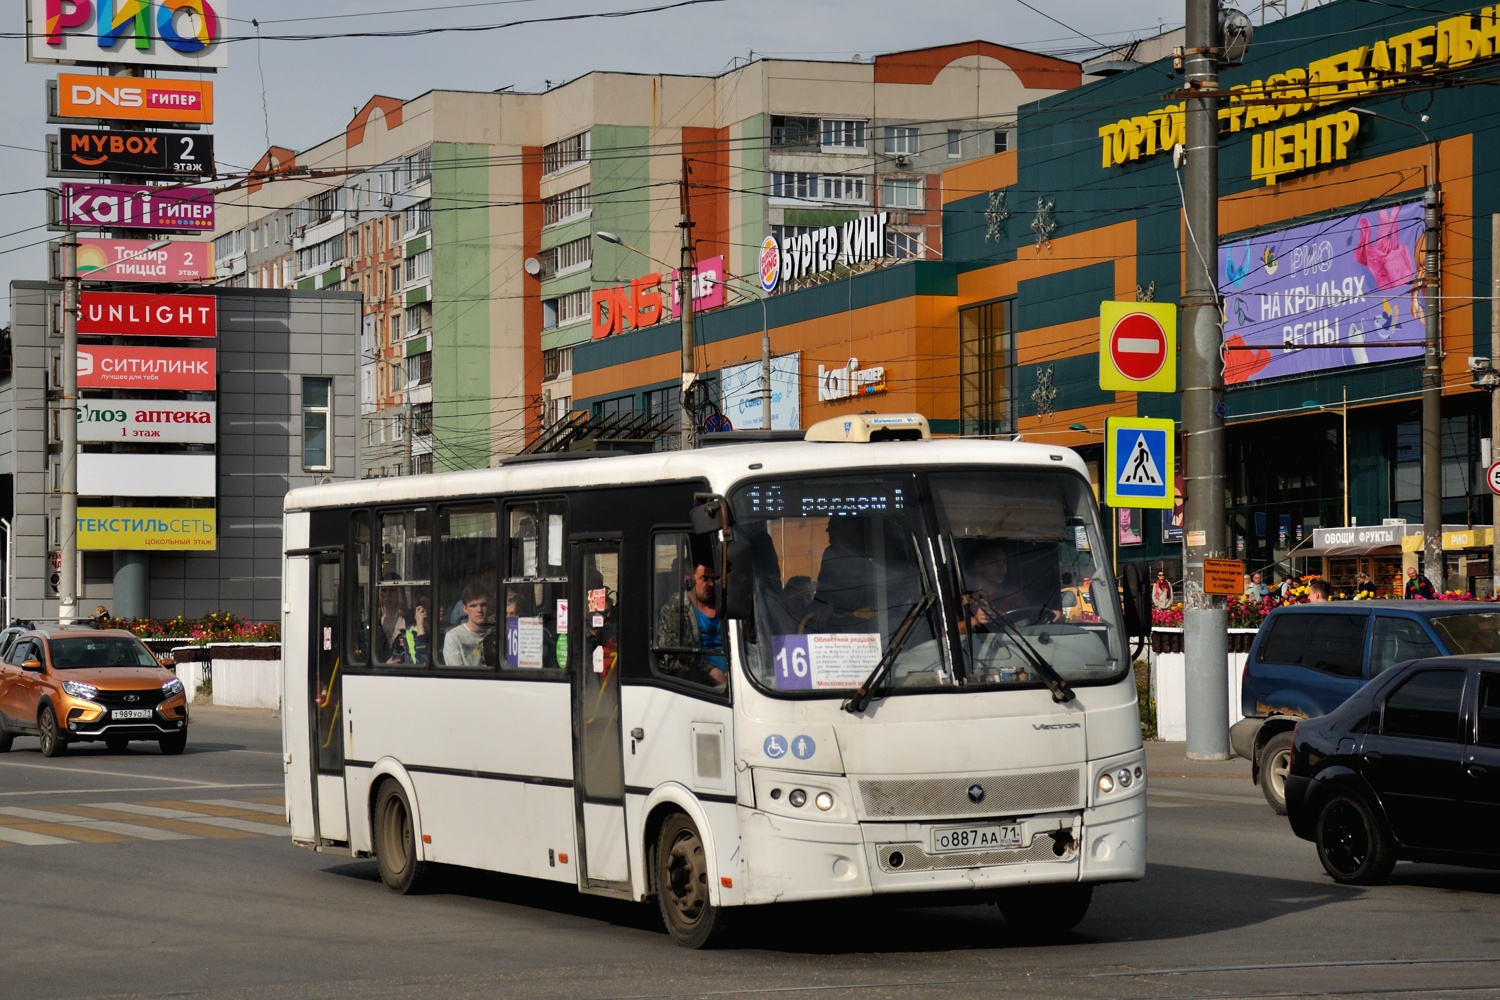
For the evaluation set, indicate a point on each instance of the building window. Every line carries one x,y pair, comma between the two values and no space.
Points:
899,244
794,185
619,406
901,140
420,366
419,267
903,193
1002,140
565,152
395,279
317,423
418,319
352,238
789,131
556,362
419,217
955,143
666,402
843,187
231,244
324,205
574,253
421,418
566,309
416,167
985,370
566,205
320,255
843,133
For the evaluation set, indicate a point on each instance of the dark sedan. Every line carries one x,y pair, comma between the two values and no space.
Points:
1408,769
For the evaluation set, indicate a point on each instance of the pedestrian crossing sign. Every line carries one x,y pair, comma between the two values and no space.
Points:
1139,462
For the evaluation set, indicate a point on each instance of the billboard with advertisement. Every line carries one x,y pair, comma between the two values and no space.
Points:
111,151
134,98
104,259
140,314
708,286
134,206
162,529
180,369
1331,294
744,402
167,34
131,474
165,421
640,303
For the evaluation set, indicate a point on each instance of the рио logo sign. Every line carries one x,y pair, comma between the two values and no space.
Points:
186,26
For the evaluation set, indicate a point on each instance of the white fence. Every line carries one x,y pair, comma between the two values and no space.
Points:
242,675
1169,685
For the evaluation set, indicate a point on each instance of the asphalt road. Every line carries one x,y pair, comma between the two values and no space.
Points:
139,875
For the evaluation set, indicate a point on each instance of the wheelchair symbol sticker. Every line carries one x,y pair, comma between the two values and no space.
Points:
775,746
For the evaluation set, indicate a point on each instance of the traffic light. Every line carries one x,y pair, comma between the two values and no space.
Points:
56,580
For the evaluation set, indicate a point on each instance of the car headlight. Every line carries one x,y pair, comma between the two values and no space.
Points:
78,689
172,688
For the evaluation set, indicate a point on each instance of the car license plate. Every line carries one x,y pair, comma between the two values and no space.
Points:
131,713
991,837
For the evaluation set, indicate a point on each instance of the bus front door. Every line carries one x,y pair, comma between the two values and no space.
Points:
599,784
327,690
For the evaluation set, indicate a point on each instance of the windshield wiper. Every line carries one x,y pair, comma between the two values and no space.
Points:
865,692
1061,692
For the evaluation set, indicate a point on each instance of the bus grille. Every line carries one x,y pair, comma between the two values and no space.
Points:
1004,795
913,858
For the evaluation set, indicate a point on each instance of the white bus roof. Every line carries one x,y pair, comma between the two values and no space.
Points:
722,466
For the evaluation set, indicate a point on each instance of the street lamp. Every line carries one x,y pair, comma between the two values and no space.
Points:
1432,366
1343,408
685,292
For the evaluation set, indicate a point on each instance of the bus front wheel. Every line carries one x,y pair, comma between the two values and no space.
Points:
1046,910
692,920
395,840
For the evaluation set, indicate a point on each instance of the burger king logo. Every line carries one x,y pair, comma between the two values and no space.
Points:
770,264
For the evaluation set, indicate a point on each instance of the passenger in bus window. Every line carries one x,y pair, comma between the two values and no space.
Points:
462,645
415,648
690,632
842,601
797,596
392,623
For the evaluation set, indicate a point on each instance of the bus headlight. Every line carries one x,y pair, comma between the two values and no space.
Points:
824,801
797,798
1106,782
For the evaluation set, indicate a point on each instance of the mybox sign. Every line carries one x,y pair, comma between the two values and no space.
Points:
165,421
101,259
139,314
641,303
108,151
166,33
186,102
178,369
128,206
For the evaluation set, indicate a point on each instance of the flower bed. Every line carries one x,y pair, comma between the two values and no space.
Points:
217,626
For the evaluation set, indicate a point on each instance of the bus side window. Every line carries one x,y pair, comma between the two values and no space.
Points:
467,597
685,643
358,609
535,581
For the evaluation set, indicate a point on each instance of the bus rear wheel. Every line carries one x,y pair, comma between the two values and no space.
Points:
682,891
395,841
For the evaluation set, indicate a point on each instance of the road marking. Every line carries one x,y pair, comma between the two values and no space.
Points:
276,808
193,830
158,820
27,838
110,774
173,810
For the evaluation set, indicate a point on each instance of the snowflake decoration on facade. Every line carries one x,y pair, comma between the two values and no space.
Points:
995,216
1149,295
1044,225
1045,392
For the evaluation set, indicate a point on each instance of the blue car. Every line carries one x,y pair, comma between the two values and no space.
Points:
1308,658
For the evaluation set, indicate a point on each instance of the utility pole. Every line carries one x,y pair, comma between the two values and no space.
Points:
67,432
685,292
1432,388
1494,403
1205,616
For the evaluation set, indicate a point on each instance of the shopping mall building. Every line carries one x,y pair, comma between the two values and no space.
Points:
1340,120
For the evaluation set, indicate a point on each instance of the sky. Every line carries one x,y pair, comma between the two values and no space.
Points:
299,93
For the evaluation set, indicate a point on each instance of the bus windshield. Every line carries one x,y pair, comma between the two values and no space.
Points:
1007,563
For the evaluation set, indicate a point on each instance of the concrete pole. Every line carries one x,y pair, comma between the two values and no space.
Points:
765,363
1432,395
1494,399
67,418
1205,616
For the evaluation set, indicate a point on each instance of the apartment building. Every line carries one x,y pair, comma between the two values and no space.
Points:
469,222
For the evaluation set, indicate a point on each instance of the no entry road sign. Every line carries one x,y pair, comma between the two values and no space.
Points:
1138,346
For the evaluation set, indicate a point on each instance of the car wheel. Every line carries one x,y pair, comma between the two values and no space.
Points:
116,744
52,741
174,744
395,841
1045,910
691,919
1275,764
1352,845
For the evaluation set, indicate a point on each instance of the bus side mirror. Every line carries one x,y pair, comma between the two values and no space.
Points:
710,513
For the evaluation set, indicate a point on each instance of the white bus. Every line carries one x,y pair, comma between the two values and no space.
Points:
882,695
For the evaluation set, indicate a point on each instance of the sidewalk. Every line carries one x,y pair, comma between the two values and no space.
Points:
1170,760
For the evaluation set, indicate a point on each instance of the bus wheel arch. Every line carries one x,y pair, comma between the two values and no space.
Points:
682,875
396,833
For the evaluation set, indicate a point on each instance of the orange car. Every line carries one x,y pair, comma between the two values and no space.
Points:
75,684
